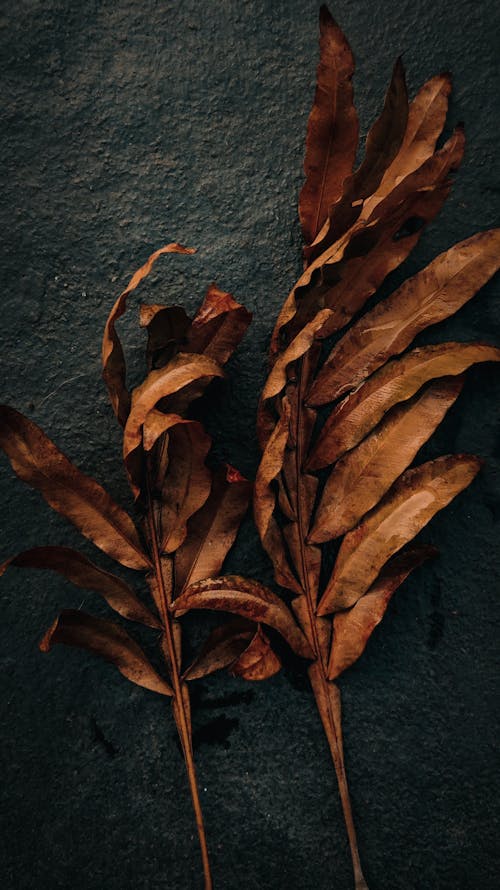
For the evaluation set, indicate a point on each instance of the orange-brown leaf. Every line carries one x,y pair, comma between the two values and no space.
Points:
360,479
221,649
258,661
396,382
426,119
187,482
332,129
39,463
352,629
75,567
432,295
212,530
218,326
413,501
107,640
265,500
246,598
183,372
113,359
167,327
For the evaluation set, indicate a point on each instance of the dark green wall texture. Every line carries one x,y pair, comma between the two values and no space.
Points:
128,124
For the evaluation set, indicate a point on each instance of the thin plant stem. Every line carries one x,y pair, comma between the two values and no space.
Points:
181,717
326,694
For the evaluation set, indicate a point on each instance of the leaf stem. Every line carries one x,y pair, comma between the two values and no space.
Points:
327,696
181,718
326,693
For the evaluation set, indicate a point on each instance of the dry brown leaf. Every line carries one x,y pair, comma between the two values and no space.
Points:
346,273
113,359
426,299
212,530
413,501
246,598
361,478
332,129
352,629
39,463
265,501
221,649
396,382
181,372
218,326
75,567
258,661
103,638
426,119
167,327
187,482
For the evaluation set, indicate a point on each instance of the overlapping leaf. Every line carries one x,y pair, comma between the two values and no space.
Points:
397,381
113,359
429,297
352,629
360,479
212,530
413,501
246,598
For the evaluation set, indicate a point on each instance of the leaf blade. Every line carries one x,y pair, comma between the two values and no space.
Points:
113,359
431,296
75,567
246,598
352,629
39,463
417,496
332,129
108,641
396,382
212,531
363,476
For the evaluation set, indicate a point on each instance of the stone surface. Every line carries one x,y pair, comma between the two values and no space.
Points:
126,125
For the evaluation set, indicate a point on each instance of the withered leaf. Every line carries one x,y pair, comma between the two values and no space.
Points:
113,359
80,571
301,343
361,478
332,129
218,326
167,327
352,629
265,501
103,638
212,530
39,463
397,381
357,265
426,119
384,138
246,598
258,661
221,649
346,272
183,371
412,502
429,297
187,482
382,144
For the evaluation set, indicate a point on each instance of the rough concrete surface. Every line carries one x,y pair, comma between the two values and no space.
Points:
127,124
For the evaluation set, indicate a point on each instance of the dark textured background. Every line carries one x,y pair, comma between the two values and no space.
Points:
125,125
